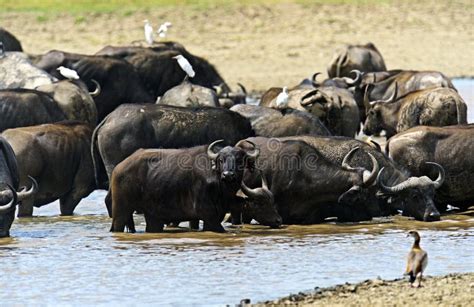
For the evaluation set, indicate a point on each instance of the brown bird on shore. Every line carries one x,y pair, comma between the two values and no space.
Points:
417,260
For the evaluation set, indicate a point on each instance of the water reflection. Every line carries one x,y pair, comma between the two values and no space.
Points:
75,259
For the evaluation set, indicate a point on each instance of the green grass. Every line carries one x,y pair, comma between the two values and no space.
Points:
84,6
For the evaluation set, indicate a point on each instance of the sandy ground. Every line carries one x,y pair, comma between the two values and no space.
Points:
278,44
449,290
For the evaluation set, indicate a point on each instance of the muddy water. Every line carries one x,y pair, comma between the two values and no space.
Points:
64,260
57,260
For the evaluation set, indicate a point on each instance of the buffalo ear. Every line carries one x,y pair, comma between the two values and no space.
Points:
250,164
351,195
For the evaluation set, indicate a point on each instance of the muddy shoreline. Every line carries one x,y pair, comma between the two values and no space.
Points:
274,44
448,290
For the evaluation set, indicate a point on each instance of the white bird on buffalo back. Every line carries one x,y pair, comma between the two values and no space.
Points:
185,65
68,73
148,32
163,29
282,99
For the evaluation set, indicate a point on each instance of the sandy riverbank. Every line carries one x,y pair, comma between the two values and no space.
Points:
272,44
449,290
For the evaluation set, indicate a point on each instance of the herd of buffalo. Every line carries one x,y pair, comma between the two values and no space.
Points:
178,149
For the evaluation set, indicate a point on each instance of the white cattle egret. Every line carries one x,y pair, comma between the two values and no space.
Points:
185,65
163,29
148,32
67,73
282,99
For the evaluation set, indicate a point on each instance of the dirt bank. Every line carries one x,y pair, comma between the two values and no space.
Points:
274,44
449,290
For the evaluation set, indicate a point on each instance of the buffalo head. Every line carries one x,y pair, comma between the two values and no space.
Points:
230,162
260,204
415,195
378,112
8,201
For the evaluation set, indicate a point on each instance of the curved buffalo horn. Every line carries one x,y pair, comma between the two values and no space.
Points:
97,90
254,153
244,90
369,178
210,153
393,189
354,81
306,103
25,194
393,97
257,192
441,175
345,161
411,182
12,202
314,77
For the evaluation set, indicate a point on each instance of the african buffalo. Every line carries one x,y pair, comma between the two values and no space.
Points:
135,126
118,79
451,147
396,188
381,85
269,122
9,182
334,106
187,94
307,187
431,107
181,184
16,71
365,58
158,69
49,103
58,157
9,41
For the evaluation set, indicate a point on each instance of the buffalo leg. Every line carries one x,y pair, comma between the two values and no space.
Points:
119,222
68,203
213,226
194,224
108,203
153,224
25,209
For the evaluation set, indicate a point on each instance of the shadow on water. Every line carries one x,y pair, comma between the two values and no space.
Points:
63,260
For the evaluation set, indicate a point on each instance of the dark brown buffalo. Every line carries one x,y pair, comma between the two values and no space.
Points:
9,41
307,187
9,182
365,58
118,80
431,107
158,69
58,157
181,184
396,188
269,122
451,147
134,126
